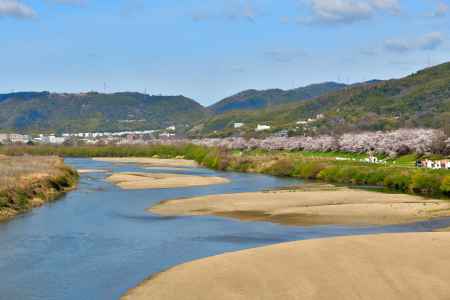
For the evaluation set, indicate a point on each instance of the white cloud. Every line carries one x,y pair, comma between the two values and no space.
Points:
16,9
441,10
349,11
429,41
392,6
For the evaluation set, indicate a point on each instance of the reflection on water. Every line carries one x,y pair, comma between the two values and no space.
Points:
99,241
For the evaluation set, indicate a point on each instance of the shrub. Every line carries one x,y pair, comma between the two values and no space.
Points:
425,183
281,167
307,170
399,181
376,176
329,174
445,185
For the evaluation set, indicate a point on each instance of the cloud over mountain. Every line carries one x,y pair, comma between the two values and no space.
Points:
429,41
349,11
16,9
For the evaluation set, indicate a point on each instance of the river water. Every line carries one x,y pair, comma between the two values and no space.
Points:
98,241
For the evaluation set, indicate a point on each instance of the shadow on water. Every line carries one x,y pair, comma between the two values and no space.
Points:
98,241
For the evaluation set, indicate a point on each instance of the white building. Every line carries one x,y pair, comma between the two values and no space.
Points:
446,164
238,125
372,159
166,135
262,127
15,138
171,128
3,137
52,139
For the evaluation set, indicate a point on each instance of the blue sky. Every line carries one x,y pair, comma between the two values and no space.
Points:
210,49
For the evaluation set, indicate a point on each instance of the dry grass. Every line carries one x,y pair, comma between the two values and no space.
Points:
27,182
17,171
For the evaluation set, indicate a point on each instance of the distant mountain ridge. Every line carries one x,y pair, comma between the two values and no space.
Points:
93,111
257,99
63,112
421,99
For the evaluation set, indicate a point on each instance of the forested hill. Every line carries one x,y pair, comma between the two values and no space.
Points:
43,111
421,99
257,99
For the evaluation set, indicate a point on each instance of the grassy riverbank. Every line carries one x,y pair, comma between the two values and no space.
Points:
27,182
399,177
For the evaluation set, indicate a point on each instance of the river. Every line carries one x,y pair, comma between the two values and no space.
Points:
98,241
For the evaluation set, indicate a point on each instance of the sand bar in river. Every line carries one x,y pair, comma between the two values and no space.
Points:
135,180
409,266
311,207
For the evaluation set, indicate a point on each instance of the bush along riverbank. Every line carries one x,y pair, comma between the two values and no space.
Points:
27,182
405,179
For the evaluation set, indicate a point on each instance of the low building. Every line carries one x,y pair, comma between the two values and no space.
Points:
3,138
262,127
238,125
15,138
372,159
430,164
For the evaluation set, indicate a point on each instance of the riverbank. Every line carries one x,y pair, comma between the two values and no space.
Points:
28,182
386,266
321,206
138,181
326,168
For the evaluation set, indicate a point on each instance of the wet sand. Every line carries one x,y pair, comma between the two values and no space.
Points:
311,207
149,161
134,180
389,266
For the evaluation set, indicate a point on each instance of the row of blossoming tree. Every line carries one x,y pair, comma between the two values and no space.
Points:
392,143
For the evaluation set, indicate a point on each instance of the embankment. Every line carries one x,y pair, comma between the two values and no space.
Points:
28,182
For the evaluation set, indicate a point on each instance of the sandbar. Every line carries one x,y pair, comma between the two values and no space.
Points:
136,180
311,207
388,266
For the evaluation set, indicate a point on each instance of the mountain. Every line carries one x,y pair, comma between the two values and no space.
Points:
421,99
44,111
257,99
